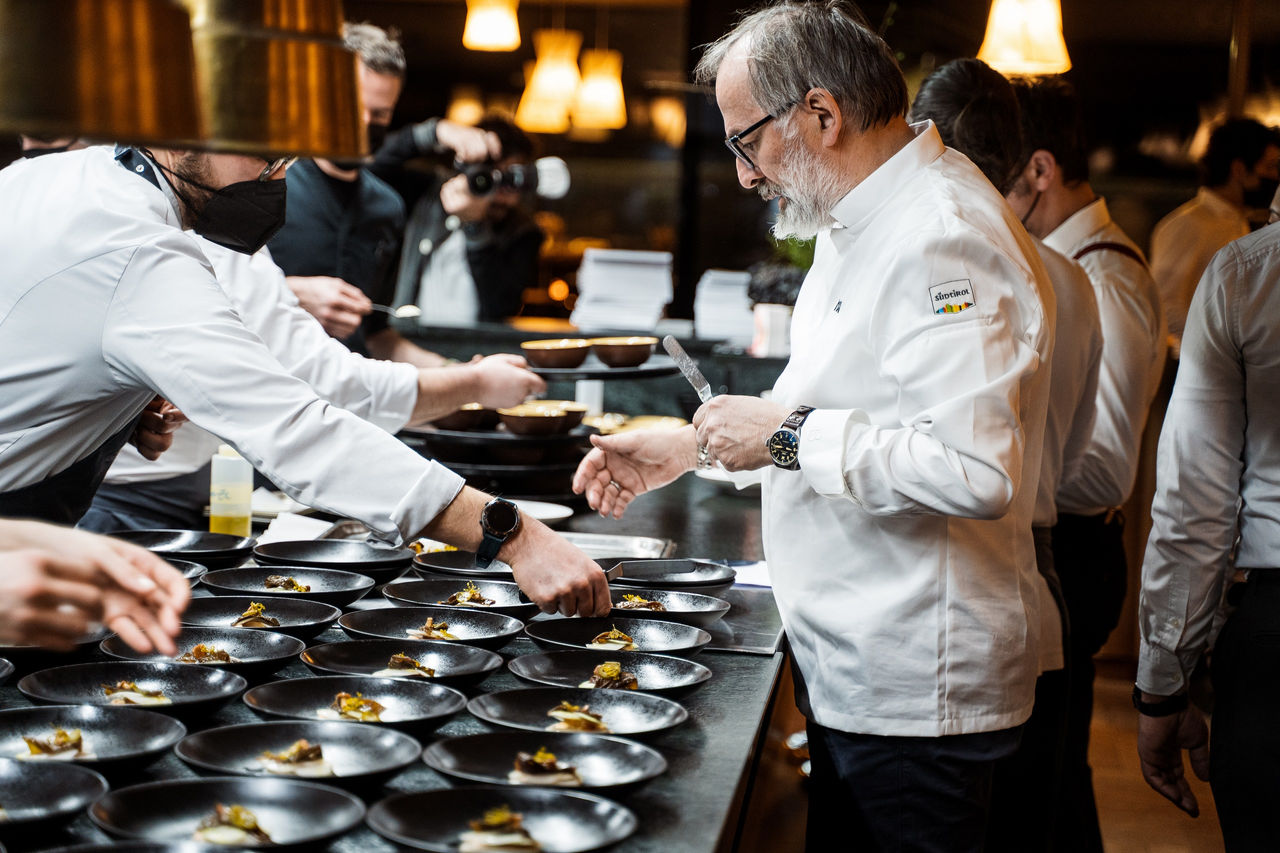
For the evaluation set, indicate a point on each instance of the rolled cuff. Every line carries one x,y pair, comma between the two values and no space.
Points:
434,490
1159,671
824,437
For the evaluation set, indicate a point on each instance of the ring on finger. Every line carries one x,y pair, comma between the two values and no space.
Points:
616,485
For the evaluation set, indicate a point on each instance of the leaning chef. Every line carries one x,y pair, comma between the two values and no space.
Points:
106,301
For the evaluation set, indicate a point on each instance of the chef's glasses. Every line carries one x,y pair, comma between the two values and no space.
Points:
734,143
277,165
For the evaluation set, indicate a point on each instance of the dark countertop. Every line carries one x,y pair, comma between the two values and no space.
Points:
693,807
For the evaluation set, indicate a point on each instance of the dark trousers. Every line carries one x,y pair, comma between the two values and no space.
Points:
1088,553
877,794
174,504
1244,741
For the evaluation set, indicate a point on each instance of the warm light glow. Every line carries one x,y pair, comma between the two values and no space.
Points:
599,103
548,94
491,25
465,107
667,115
558,290
1025,37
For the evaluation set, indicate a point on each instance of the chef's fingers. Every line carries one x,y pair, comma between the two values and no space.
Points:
135,636
54,628
601,603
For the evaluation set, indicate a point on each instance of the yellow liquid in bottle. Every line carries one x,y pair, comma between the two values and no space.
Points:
236,525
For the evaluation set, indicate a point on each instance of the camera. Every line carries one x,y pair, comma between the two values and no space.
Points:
484,178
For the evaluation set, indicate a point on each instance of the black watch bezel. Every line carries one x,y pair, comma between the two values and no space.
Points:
495,530
1164,708
784,444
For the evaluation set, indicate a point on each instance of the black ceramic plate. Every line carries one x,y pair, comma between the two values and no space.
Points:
560,821
116,737
295,814
688,608
358,755
507,597
416,707
191,571
141,847
625,712
29,658
472,626
260,653
6,670
298,617
602,761
648,635
33,794
655,673
194,690
700,576
374,561
327,585
498,445
457,665
463,564
212,550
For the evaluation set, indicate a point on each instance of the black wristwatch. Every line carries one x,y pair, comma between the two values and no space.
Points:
784,445
499,521
1163,708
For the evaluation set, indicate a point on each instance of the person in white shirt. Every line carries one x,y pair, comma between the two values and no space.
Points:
106,302
1054,199
1239,170
897,510
1215,513
976,112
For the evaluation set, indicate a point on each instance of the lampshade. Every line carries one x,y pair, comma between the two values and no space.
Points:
552,84
667,115
599,103
465,107
491,25
1025,37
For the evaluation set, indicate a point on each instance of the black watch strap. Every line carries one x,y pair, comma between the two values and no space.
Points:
796,418
1163,708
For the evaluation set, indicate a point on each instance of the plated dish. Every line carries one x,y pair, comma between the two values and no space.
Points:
451,663
612,671
685,607
471,625
439,591
250,653
105,738
415,707
542,709
619,634
168,687
546,759
299,618
329,586
379,562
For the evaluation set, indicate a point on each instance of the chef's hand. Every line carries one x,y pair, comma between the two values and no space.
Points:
734,429
469,144
554,574
620,467
1160,744
154,433
503,380
337,305
457,200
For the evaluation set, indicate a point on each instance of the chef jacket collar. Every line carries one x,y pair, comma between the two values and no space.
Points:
140,164
1219,206
878,188
1079,227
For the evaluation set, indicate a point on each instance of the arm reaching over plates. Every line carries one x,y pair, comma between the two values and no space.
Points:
621,467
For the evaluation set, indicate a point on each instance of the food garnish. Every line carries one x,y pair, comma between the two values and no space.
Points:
200,653
285,583
638,602
232,825
609,676
255,617
129,693
302,759
499,829
468,596
575,718
542,768
615,640
431,630
401,664
62,745
348,707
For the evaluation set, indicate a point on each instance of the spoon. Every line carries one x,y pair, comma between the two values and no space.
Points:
404,311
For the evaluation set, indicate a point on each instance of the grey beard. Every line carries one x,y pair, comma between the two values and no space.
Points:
811,189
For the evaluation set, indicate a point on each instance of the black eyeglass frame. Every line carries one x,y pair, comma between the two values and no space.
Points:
734,143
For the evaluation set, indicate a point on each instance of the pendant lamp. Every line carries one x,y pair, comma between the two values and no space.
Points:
465,106
599,103
552,83
491,25
1025,37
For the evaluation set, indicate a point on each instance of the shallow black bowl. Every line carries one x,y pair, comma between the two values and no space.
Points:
30,658
360,755
327,585
118,737
649,635
295,814
260,653
416,707
507,597
463,564
37,794
602,761
298,617
472,626
701,576
6,670
190,570
211,550
660,674
688,608
560,821
378,562
456,665
195,690
625,712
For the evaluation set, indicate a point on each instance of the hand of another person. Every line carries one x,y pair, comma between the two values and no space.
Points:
338,306
503,380
620,467
734,429
555,574
1161,741
457,200
46,600
468,144
154,433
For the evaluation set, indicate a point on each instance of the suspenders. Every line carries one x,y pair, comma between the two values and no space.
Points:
1127,251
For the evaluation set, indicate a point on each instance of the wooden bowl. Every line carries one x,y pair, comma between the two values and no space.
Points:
556,352
624,352
539,417
465,418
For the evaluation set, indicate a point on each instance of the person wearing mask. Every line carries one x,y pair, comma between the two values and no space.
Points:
900,449
1239,172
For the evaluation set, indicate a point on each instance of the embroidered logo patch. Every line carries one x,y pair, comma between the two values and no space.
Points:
951,297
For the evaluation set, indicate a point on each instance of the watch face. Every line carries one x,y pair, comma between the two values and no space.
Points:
500,517
784,448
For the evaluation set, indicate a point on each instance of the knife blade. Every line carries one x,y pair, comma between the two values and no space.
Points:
688,367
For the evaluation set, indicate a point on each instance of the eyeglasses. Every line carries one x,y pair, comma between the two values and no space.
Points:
277,165
734,143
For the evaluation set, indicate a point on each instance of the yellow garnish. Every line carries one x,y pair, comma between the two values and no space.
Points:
609,669
542,756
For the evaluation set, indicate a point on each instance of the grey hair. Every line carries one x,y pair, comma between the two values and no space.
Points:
796,46
377,48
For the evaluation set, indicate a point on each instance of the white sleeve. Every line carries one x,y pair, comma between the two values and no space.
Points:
171,328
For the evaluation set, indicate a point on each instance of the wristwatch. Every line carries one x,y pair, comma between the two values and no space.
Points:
499,520
784,445
1163,708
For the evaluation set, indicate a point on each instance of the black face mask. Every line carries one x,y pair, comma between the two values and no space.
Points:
242,216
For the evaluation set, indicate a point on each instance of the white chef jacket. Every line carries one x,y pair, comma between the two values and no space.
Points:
1133,347
105,301
1218,461
901,553
447,293
381,392
1182,245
